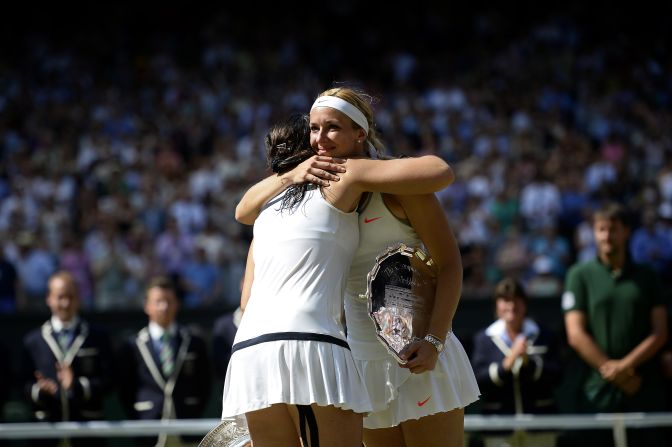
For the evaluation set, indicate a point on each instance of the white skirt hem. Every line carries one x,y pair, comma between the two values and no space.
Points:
397,395
294,372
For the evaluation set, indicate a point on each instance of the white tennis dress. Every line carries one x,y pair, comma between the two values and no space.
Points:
396,394
290,346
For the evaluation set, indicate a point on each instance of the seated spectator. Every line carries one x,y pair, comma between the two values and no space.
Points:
34,266
512,256
543,283
548,243
200,281
650,244
516,365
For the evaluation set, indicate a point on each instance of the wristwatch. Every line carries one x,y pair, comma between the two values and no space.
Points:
435,341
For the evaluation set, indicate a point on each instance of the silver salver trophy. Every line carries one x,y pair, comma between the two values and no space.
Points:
228,433
400,296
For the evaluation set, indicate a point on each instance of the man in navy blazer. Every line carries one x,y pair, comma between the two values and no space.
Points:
67,363
166,373
517,365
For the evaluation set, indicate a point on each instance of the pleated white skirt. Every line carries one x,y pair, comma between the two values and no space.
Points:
293,372
398,395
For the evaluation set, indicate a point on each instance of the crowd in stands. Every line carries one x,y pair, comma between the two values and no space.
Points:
121,171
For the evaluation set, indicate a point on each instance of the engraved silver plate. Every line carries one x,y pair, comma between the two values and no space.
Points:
228,433
400,292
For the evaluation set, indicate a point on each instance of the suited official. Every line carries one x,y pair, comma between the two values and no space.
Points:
517,366
166,371
67,363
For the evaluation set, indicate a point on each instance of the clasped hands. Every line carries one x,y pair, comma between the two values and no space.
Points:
621,376
518,350
65,377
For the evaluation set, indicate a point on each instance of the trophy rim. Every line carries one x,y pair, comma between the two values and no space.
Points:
238,440
398,248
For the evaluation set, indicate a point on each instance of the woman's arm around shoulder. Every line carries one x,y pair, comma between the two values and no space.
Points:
319,170
413,175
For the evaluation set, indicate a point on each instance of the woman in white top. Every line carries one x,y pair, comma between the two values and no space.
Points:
292,372
420,403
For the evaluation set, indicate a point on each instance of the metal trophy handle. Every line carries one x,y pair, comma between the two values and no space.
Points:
227,433
400,296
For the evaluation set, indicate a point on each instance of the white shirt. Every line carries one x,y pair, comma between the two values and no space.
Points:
156,332
58,325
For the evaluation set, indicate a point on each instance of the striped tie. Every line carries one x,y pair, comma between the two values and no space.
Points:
166,355
63,339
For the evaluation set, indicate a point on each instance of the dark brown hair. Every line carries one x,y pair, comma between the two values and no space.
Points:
287,145
162,282
510,288
612,211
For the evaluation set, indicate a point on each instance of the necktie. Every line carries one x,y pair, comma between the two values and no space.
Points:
63,339
166,355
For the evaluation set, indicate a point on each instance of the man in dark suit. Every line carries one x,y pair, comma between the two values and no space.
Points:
517,365
166,372
67,363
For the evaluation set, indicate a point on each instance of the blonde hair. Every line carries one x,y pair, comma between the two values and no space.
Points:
363,102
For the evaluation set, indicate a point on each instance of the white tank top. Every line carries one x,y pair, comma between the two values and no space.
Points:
301,259
378,230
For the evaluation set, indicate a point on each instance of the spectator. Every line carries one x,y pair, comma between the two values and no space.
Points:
512,256
74,260
540,202
173,249
517,365
548,243
200,281
543,283
67,365
34,266
182,141
166,372
616,321
650,244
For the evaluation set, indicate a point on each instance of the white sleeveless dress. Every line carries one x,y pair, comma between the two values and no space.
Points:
290,346
396,394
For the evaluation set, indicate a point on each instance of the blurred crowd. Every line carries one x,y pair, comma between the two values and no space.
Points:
121,171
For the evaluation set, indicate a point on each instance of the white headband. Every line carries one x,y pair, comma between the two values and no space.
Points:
343,106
